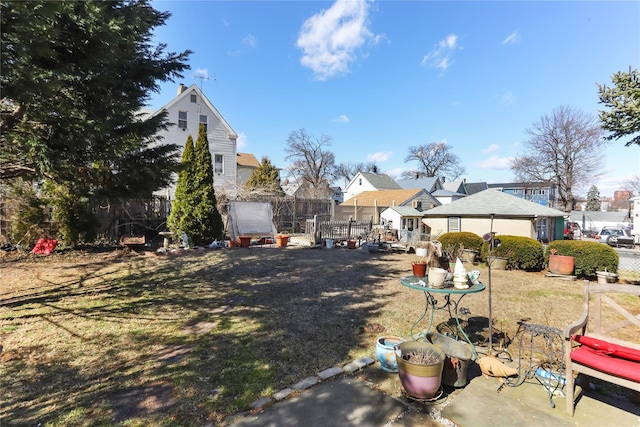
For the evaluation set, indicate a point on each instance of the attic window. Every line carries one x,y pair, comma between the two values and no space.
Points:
194,99
360,181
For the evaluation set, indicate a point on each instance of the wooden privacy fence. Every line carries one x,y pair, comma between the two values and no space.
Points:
322,227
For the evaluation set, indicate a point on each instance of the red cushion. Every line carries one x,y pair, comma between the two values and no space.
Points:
612,365
44,246
609,348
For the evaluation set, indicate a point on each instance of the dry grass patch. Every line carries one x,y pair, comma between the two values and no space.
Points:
191,339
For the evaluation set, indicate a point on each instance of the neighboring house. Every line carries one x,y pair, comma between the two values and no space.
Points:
493,210
245,163
185,113
338,196
430,184
368,181
475,187
406,220
593,221
542,193
447,196
369,204
455,186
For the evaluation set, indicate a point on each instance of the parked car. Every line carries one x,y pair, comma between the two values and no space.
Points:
615,236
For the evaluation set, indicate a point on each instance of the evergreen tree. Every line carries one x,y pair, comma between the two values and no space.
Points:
265,178
177,220
208,221
593,200
74,77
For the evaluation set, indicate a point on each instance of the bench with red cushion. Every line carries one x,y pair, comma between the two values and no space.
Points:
614,359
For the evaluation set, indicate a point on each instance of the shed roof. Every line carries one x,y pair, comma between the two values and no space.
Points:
406,211
493,202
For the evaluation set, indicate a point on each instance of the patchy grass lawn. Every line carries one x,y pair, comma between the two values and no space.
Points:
188,339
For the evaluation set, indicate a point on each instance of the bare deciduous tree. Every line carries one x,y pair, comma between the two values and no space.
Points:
563,148
435,159
348,170
311,162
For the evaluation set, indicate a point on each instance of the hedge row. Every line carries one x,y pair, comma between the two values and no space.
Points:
525,253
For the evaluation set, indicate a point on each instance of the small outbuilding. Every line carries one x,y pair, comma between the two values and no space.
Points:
493,210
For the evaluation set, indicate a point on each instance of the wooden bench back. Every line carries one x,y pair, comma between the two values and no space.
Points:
598,328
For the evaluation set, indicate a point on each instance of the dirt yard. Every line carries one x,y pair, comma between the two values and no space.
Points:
96,337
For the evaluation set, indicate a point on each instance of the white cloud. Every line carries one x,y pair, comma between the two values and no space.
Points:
331,39
495,162
396,173
241,142
250,41
341,119
201,72
440,55
491,148
512,38
508,98
379,157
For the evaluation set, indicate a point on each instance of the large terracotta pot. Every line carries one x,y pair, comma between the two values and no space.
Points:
561,264
419,381
282,240
245,241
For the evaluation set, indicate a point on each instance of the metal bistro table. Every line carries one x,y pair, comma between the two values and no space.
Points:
452,297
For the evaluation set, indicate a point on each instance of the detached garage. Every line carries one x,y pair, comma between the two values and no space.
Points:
504,213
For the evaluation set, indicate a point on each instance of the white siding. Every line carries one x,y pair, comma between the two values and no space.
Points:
221,139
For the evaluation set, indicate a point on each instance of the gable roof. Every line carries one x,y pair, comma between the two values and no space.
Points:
493,202
454,186
406,211
380,181
247,159
430,183
475,187
382,197
194,88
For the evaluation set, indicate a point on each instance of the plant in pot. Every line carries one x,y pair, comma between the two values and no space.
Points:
420,366
560,264
282,239
419,267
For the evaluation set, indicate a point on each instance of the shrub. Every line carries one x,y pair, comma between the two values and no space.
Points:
453,242
524,253
589,257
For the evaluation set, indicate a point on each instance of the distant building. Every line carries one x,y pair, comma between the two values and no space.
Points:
367,181
542,193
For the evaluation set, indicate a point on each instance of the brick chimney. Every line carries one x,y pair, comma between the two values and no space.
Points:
181,88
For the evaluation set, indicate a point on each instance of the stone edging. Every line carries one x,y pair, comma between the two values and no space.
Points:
306,383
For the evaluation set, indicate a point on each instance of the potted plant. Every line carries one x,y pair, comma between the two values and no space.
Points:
560,264
419,266
420,366
282,239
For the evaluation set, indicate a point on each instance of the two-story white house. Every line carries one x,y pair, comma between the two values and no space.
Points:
369,181
185,113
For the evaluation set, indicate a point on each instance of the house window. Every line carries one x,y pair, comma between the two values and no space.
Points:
203,121
217,165
193,98
360,181
454,224
182,119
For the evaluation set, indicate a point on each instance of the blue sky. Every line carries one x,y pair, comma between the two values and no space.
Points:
378,77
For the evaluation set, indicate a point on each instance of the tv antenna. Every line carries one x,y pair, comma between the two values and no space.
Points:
202,78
